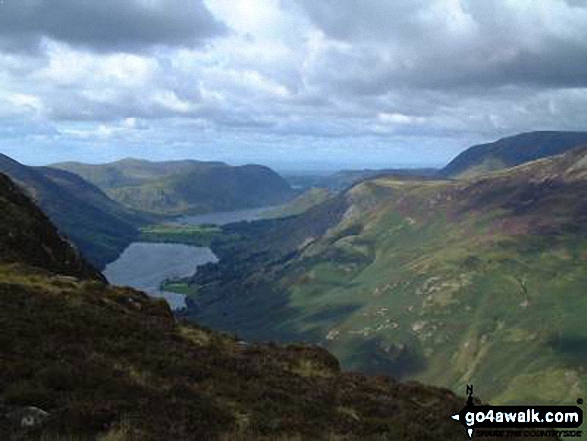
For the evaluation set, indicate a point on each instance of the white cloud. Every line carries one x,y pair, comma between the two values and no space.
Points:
400,118
27,101
170,101
295,73
70,67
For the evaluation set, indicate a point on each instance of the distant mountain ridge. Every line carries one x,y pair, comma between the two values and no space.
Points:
343,179
512,151
130,171
173,188
99,227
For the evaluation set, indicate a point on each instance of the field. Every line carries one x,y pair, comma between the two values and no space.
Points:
196,235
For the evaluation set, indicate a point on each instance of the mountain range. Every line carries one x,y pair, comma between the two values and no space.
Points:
512,151
101,207
176,188
343,179
448,281
478,159
473,274
84,360
99,227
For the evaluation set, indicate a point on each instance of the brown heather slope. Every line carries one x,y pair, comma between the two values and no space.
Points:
26,235
110,363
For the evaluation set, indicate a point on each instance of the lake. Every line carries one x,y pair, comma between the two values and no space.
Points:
145,265
227,217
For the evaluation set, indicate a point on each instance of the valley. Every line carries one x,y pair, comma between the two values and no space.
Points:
293,220
102,226
476,279
82,359
450,282
172,251
447,281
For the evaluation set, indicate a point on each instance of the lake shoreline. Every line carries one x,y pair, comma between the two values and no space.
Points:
173,251
145,266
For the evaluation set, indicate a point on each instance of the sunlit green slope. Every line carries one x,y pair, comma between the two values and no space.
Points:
451,282
83,360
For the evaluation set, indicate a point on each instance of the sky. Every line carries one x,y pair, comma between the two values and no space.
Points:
318,84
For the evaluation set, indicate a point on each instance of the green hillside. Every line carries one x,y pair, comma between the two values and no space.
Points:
130,172
512,151
82,360
449,282
99,227
343,179
185,187
301,203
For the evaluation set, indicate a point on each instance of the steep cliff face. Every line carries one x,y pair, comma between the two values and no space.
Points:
28,237
98,226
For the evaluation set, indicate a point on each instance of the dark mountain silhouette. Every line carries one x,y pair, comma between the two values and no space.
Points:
511,151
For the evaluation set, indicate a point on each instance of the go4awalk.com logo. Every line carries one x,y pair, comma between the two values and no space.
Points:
519,421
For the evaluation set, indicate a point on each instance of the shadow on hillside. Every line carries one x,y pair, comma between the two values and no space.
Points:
571,349
372,356
256,313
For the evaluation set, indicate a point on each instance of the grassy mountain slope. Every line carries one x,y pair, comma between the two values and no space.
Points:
512,151
185,187
449,282
103,363
343,179
130,172
299,204
98,226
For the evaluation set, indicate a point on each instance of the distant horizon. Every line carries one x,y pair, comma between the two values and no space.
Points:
316,84
283,167
292,167
44,156
107,156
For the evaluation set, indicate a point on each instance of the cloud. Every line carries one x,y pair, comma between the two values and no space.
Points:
439,44
394,82
106,25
